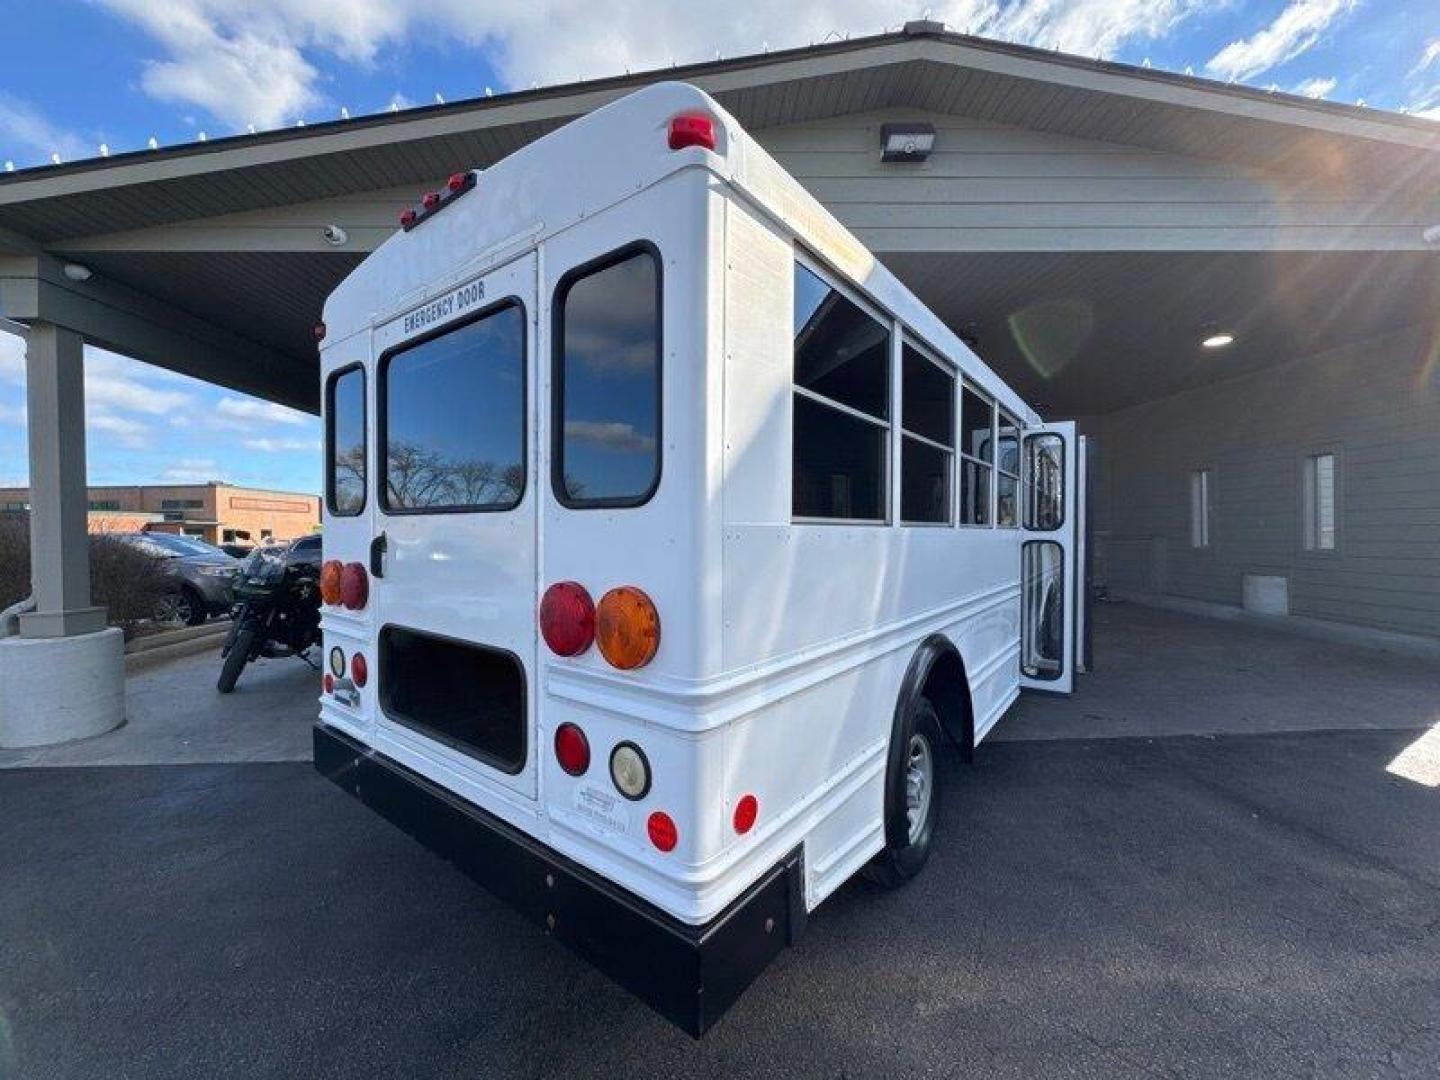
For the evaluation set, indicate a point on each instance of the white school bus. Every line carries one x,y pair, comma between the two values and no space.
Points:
671,539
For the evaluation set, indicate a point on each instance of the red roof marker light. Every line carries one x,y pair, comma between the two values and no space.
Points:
431,200
407,218
692,131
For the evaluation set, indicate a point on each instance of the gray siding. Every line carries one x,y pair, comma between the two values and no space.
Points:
1375,405
988,187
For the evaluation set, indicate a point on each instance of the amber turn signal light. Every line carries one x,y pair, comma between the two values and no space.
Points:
330,581
627,628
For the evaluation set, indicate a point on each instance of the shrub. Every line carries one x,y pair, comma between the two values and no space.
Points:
125,581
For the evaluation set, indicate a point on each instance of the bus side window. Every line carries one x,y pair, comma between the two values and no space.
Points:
345,441
841,406
607,381
977,457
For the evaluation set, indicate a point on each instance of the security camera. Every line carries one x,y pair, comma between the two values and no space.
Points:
334,235
1431,235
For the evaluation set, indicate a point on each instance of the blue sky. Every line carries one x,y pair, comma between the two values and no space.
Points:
80,73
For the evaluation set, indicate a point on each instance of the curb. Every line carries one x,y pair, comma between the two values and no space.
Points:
149,652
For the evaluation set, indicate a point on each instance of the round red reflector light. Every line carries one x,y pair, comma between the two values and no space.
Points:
329,683
360,673
431,200
567,618
354,586
572,749
456,182
407,218
663,833
627,628
330,581
746,811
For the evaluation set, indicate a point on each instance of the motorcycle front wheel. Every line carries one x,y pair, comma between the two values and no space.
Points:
236,658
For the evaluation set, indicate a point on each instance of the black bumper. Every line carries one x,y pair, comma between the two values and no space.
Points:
688,974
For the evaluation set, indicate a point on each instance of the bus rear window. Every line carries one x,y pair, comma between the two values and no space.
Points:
607,382
452,412
345,441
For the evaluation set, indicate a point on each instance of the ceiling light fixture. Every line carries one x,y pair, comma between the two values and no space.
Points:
76,272
1218,341
906,142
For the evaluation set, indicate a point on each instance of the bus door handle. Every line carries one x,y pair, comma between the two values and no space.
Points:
377,556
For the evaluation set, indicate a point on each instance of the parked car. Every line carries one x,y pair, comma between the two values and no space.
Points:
238,550
202,576
306,550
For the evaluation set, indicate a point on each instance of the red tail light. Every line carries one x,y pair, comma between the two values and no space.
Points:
572,749
360,672
746,811
328,682
692,131
663,833
354,586
567,618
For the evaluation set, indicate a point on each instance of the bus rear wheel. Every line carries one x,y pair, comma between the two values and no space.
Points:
912,797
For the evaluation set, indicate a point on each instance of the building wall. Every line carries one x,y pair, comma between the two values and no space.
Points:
1375,405
205,510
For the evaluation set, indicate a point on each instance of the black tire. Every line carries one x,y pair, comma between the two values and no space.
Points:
192,610
907,847
235,659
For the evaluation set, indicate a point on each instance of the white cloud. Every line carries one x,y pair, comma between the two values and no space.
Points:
611,436
28,138
1428,57
281,446
1295,30
245,412
252,61
1316,87
134,434
191,471
13,416
1425,94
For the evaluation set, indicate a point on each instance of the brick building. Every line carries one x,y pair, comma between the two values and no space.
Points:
217,512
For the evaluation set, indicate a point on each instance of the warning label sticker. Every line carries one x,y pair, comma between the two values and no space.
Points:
605,810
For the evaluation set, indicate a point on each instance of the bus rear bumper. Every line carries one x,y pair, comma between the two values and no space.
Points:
689,974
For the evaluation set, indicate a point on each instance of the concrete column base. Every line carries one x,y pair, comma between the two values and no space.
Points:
53,690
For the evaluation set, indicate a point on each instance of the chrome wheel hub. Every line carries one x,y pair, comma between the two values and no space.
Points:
919,784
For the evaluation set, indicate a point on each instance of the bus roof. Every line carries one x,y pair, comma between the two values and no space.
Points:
620,149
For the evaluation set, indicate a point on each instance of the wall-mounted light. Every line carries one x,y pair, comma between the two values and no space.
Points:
334,235
908,142
76,272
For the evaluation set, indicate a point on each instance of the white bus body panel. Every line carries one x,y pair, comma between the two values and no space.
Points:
784,645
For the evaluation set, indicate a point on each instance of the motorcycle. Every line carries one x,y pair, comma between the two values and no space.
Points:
276,614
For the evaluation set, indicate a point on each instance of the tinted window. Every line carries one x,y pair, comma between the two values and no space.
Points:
841,353
842,395
977,450
608,384
345,446
1045,483
927,410
839,464
454,415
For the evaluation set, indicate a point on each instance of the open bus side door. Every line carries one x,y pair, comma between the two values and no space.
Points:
1052,589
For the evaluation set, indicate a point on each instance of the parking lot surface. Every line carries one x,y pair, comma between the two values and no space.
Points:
1236,906
1208,899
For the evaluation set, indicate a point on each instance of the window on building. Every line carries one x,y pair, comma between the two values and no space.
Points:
977,457
927,439
104,504
1200,508
607,383
452,414
345,441
842,405
1007,474
1320,503
182,504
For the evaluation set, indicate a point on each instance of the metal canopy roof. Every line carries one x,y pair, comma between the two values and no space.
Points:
928,69
267,295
